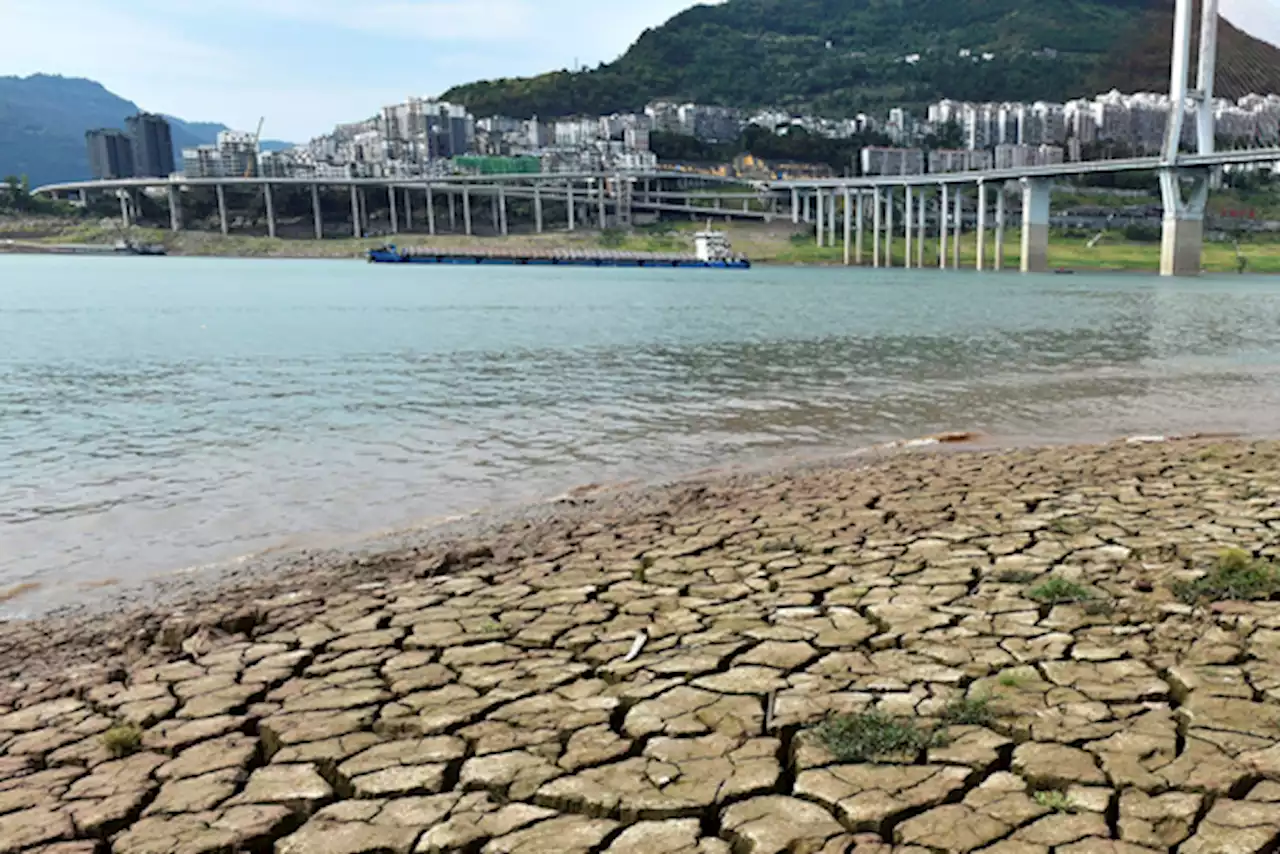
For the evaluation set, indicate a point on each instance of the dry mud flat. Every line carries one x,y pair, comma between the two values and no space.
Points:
1000,646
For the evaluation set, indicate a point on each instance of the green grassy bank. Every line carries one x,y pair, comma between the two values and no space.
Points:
766,243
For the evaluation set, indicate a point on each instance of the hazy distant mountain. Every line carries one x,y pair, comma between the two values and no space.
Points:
43,119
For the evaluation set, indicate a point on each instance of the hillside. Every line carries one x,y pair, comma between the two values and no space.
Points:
845,56
43,119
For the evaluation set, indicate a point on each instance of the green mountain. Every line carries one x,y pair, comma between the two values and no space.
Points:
845,56
43,119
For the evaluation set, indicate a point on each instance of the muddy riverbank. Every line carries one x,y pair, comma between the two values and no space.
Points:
1024,651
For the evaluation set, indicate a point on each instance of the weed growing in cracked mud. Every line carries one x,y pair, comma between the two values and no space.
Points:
1056,801
969,711
872,735
122,740
1237,575
1059,591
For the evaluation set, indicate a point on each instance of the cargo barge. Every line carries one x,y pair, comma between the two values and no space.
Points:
712,252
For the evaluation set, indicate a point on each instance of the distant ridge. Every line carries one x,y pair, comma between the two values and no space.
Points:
43,119
847,56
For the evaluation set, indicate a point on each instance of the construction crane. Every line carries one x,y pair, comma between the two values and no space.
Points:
257,149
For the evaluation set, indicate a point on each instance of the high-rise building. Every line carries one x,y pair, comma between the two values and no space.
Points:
152,145
110,153
892,161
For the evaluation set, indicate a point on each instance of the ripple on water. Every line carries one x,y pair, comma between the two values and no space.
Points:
181,413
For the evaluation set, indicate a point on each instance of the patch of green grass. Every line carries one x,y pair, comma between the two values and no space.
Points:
613,238
1009,679
1237,576
969,711
1059,591
872,735
1017,576
122,740
1056,801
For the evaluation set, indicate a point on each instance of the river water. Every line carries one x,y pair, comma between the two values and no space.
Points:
162,414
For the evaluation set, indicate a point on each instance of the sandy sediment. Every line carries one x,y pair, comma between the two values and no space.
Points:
650,674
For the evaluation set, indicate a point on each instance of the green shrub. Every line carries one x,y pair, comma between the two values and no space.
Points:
1237,575
872,735
1059,591
122,740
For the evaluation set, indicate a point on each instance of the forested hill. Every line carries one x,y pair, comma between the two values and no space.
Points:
844,56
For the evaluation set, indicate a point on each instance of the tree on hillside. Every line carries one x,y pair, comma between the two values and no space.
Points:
17,193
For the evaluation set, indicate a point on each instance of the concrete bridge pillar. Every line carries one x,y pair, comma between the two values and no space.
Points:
821,232
888,227
921,231
355,213
315,211
908,224
453,211
980,263
808,208
223,224
1035,225
271,209
568,190
848,226
393,209
175,207
795,206
431,211
466,209
831,220
959,229
537,208
604,223
494,212
1182,238
364,211
859,214
124,208
944,209
877,224
997,263
408,210
502,209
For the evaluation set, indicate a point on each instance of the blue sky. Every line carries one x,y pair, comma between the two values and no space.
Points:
307,64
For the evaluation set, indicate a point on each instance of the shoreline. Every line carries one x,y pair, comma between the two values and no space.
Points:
652,673
159,589
779,244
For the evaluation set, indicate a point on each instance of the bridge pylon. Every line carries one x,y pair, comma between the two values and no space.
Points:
1185,191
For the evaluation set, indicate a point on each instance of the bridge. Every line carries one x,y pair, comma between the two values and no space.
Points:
588,198
834,205
1184,181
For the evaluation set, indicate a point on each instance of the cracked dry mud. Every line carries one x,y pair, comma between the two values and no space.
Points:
482,700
